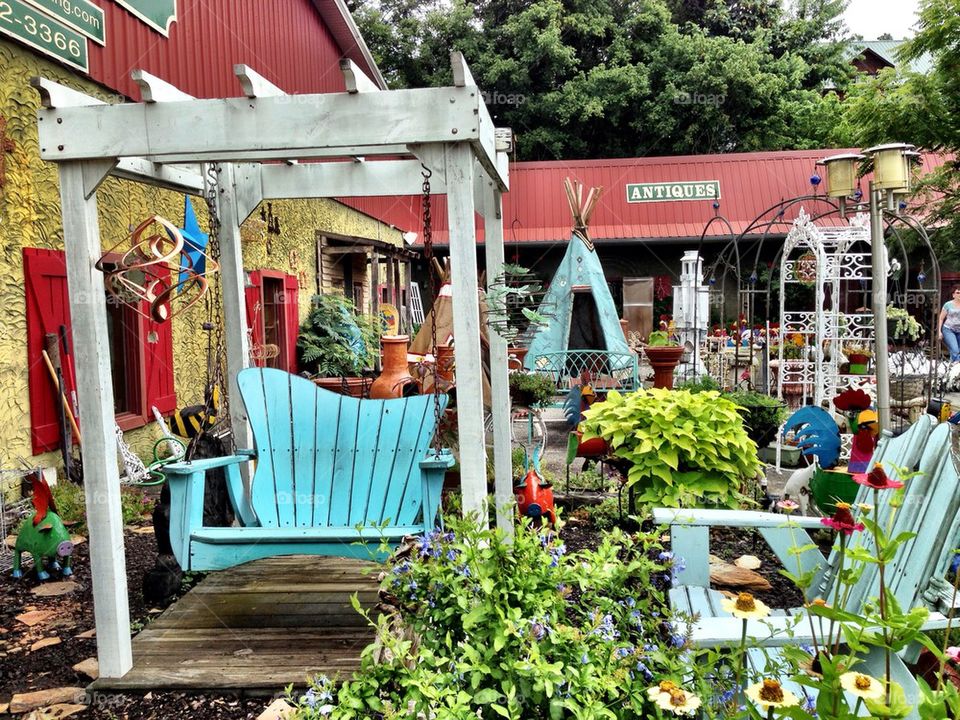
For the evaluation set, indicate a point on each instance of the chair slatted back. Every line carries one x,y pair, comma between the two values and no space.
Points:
892,452
328,460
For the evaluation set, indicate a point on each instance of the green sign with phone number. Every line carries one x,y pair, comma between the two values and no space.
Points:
47,35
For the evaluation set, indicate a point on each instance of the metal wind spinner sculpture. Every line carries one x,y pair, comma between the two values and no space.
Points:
164,263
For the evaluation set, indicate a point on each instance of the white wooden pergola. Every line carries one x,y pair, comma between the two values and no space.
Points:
169,139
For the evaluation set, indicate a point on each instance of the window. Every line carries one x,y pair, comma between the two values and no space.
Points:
141,353
273,316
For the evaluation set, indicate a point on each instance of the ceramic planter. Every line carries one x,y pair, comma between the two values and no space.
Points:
357,387
664,361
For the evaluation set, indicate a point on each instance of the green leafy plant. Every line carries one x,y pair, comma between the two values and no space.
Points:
72,507
905,326
701,384
659,338
762,414
679,449
531,389
488,628
335,340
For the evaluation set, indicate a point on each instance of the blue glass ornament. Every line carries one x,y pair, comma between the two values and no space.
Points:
857,194
921,276
713,281
716,205
902,205
753,278
815,179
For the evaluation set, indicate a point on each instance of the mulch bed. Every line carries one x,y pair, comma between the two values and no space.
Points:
23,670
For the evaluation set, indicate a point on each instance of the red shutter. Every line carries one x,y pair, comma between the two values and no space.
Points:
158,363
45,282
254,296
291,317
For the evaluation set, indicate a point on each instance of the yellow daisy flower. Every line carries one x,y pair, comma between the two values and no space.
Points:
664,687
678,701
769,693
861,685
745,607
865,508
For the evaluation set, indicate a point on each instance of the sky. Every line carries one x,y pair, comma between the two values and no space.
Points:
871,18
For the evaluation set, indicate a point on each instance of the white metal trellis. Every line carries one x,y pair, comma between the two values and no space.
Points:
831,260
171,140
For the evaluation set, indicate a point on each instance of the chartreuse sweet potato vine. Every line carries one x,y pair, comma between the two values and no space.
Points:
683,449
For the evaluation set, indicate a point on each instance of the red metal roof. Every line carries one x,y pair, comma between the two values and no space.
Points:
296,44
536,210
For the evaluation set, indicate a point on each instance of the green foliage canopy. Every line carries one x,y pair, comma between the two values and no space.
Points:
609,78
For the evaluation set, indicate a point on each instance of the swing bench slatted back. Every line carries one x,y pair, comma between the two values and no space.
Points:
334,475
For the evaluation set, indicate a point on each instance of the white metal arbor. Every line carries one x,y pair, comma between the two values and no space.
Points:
166,140
828,259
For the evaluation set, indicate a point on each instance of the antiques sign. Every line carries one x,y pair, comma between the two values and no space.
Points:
42,32
668,191
158,14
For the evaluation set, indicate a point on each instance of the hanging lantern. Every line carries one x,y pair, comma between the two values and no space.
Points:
891,165
841,174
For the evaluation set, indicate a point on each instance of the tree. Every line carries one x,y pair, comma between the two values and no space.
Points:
923,109
612,78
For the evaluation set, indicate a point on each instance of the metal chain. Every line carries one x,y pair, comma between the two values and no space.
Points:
435,284
213,324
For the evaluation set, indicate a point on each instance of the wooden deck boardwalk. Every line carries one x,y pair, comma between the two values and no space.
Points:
257,628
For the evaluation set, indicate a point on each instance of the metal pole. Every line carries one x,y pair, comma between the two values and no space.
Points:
879,308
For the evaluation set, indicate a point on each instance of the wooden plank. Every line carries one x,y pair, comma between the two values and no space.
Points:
230,128
253,84
499,373
368,439
81,234
458,161
379,506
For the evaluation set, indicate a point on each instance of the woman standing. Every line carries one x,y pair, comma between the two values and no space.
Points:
950,324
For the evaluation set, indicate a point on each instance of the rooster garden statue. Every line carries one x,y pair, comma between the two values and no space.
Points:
43,535
817,435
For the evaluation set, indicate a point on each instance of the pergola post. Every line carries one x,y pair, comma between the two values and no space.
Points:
91,342
499,380
234,300
459,165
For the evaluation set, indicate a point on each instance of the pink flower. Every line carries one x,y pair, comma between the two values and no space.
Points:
787,505
842,520
877,479
953,653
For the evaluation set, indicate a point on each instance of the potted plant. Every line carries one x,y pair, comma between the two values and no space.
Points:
664,354
336,344
902,327
677,448
531,389
858,355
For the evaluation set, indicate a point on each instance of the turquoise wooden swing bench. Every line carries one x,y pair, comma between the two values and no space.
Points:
334,476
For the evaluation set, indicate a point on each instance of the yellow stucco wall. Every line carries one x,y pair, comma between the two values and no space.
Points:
30,217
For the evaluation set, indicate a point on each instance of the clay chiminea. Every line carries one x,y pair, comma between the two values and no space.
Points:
396,372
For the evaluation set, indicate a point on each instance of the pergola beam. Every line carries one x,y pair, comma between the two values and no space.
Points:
155,90
276,127
355,79
347,179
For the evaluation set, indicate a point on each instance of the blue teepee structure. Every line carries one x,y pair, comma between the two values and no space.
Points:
578,304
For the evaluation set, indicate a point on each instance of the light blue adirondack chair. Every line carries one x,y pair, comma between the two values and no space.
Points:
916,577
326,464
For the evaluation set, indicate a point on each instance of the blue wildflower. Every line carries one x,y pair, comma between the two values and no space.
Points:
630,602
726,697
538,628
665,556
310,699
808,649
809,705
644,670
622,652
678,641
451,555
585,658
636,617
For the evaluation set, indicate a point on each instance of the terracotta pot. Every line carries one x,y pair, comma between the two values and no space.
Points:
663,360
515,357
445,362
353,386
396,372
625,326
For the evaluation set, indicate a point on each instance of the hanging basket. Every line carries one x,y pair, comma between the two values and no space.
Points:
907,387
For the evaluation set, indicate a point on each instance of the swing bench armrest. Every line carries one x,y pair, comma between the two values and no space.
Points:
442,461
188,467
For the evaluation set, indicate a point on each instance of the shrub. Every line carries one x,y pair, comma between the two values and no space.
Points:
334,340
519,629
531,389
679,448
762,414
701,384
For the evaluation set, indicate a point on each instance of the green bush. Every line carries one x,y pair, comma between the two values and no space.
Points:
519,629
335,340
762,414
681,449
701,384
531,389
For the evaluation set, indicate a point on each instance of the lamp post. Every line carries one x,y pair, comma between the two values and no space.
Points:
891,174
